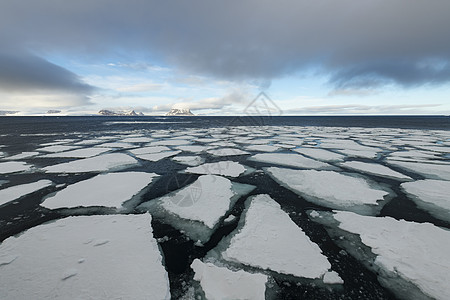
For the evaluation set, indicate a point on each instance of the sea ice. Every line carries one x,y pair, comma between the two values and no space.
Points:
374,169
412,259
223,283
430,195
226,152
157,156
262,148
360,153
79,153
57,148
102,163
320,154
148,150
289,159
193,148
109,190
69,259
18,191
23,155
14,167
189,160
428,170
332,189
225,168
198,207
137,140
170,142
269,239
116,145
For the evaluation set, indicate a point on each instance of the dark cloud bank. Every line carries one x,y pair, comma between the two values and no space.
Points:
357,44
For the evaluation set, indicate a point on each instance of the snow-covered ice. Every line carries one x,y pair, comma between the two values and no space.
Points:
119,145
56,148
320,154
289,159
109,190
412,259
79,153
102,163
157,156
150,149
223,283
137,140
225,168
193,148
189,160
226,152
14,167
198,207
430,195
262,148
332,189
170,142
269,239
23,155
428,170
15,192
85,257
374,169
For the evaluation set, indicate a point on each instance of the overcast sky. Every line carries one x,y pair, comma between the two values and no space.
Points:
310,57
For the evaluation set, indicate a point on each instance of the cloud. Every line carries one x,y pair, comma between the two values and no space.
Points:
356,43
356,109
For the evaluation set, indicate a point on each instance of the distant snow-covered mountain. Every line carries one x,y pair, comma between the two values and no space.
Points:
131,113
180,112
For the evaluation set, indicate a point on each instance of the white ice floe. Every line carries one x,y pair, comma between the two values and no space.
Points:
332,278
86,257
226,152
78,153
189,160
18,191
262,148
430,195
428,170
23,155
223,283
137,140
225,168
332,189
412,259
157,156
198,207
102,163
170,142
108,190
360,153
289,159
116,145
193,148
57,148
320,154
269,239
374,169
14,167
150,149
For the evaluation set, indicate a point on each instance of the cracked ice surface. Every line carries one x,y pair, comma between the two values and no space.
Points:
225,168
108,190
18,191
269,239
332,189
411,253
87,257
289,159
428,170
374,169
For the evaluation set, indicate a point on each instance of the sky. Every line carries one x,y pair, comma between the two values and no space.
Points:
322,57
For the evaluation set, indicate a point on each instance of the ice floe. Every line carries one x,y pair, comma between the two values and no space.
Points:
86,257
102,163
269,239
157,156
137,140
170,142
333,189
374,169
189,160
23,155
226,152
78,153
117,145
193,148
430,195
198,207
108,190
223,283
412,259
262,148
320,154
428,170
14,167
225,168
150,149
15,192
289,159
56,148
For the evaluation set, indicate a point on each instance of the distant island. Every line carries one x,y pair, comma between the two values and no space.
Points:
131,113
180,112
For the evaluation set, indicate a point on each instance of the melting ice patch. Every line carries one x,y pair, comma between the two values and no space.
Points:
198,207
69,265
374,169
269,239
225,168
18,191
189,160
14,167
333,189
108,190
412,259
430,195
102,163
223,283
289,159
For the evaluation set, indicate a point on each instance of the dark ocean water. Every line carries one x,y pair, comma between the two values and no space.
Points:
22,134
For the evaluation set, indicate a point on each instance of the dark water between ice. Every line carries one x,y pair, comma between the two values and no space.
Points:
21,134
